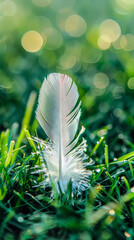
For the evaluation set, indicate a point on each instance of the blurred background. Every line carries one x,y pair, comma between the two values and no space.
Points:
91,41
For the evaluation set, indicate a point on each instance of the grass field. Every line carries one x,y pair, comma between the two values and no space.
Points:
31,212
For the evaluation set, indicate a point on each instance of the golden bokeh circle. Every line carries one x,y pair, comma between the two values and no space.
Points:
75,26
32,41
101,80
109,30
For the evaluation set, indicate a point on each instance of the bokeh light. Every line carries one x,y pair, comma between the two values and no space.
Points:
127,234
120,43
8,8
75,26
103,45
118,112
32,41
129,42
132,189
125,4
109,30
101,80
62,17
67,61
131,83
112,212
118,92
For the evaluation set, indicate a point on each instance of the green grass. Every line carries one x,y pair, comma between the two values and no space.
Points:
105,211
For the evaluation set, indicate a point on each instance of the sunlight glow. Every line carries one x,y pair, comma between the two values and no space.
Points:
32,41
125,4
103,45
109,30
120,43
75,26
8,8
129,42
101,80
67,61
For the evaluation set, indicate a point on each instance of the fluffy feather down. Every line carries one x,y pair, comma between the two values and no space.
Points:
58,113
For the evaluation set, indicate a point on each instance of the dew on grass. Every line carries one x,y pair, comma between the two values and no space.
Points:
127,234
132,189
112,212
20,219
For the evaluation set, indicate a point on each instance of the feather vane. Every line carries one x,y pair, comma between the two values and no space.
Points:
58,113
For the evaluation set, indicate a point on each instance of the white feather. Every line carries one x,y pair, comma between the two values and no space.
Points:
58,113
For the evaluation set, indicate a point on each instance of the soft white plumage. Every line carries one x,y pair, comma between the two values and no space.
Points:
58,113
